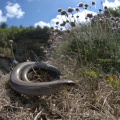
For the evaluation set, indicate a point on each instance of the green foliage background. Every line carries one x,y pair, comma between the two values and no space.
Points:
25,39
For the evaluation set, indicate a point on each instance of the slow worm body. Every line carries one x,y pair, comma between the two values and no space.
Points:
20,83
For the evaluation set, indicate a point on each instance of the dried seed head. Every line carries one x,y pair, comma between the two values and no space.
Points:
63,12
73,24
86,5
80,5
57,23
77,9
10,42
93,3
101,20
63,24
77,16
59,10
105,7
67,21
89,15
100,10
112,18
98,14
70,10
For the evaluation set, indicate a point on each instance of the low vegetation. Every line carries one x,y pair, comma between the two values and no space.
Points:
87,53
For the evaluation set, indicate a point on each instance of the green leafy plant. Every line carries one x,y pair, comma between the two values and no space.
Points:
95,41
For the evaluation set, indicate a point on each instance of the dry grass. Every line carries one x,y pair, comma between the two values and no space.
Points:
93,98
40,75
